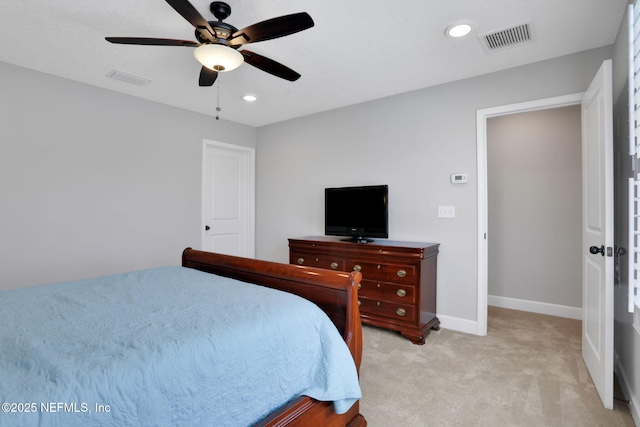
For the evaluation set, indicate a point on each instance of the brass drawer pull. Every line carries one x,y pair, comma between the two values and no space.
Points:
359,303
300,260
359,285
357,267
401,293
378,285
401,273
334,265
401,312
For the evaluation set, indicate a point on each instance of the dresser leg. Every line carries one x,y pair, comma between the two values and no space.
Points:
415,339
434,324
420,337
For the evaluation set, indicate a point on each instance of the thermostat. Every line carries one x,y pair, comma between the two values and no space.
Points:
459,178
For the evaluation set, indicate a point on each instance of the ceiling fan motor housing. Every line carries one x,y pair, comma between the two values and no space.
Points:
220,10
223,31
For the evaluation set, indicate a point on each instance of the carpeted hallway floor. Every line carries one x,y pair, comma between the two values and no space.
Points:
527,371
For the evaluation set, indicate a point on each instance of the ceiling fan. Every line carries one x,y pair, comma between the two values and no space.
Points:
217,41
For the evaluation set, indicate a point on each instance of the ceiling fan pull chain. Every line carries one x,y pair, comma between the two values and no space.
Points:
218,109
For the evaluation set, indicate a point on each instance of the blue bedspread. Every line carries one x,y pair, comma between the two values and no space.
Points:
164,347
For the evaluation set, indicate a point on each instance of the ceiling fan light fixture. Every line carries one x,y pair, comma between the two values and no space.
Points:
218,57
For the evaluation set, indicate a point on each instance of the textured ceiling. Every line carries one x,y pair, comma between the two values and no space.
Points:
358,50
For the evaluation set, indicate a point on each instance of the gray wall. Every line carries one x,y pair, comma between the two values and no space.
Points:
413,142
534,166
627,338
93,182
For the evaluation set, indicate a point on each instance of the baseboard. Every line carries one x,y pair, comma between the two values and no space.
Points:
457,324
471,326
624,381
536,307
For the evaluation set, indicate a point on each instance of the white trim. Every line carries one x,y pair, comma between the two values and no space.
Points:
481,138
624,381
631,83
536,307
483,220
457,324
633,255
251,190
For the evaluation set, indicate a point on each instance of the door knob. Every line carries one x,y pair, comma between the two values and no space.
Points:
595,250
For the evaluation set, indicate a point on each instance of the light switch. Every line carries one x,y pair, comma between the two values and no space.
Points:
446,211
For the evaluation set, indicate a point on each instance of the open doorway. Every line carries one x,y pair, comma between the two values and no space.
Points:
481,124
534,189
597,221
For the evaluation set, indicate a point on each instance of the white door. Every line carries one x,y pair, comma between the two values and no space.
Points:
597,233
228,192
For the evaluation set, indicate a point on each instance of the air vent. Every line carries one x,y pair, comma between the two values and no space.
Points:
508,37
128,78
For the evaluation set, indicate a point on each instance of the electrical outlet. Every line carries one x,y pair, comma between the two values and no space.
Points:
446,211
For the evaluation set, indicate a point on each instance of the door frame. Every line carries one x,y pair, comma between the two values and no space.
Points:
483,215
250,152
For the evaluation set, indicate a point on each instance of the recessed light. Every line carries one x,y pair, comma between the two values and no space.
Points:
250,98
458,30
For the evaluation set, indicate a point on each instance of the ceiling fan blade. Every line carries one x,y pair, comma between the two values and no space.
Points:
207,77
149,41
188,12
270,66
272,29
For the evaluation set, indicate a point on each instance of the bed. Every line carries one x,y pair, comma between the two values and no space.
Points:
193,345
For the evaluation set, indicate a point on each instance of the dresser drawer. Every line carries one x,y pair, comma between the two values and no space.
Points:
404,294
395,311
314,260
309,246
396,273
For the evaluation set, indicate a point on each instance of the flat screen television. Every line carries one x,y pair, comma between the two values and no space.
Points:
357,213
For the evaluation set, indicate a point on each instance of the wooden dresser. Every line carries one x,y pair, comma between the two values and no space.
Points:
398,289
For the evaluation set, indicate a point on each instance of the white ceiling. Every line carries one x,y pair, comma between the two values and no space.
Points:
358,50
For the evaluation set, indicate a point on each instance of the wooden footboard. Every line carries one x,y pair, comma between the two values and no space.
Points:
334,292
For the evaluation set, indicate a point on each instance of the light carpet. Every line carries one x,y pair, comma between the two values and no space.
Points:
528,371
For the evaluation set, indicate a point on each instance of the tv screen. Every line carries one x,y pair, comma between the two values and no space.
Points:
357,213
